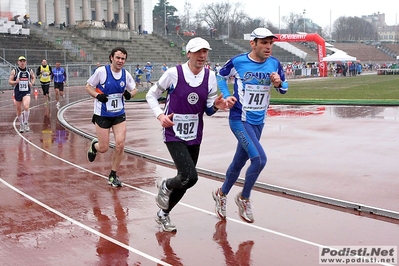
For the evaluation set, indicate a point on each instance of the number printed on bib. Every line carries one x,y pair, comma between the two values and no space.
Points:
256,97
23,85
186,126
114,103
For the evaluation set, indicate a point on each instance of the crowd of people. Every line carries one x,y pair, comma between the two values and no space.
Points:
335,69
193,89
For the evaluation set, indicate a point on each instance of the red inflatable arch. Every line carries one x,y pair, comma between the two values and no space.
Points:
309,37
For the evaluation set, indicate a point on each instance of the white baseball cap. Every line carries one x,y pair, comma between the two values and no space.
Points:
260,33
196,44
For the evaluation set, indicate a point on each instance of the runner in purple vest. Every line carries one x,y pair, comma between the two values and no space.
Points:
191,92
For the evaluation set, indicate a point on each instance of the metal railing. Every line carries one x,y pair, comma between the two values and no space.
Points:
78,74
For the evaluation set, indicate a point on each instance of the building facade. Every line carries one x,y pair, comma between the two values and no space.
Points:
130,13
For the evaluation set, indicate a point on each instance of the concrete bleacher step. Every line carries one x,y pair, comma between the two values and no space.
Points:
363,52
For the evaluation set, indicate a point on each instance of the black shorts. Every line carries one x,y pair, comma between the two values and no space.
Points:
45,88
19,95
59,86
108,122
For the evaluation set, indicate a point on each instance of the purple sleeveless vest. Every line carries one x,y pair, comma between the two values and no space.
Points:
187,100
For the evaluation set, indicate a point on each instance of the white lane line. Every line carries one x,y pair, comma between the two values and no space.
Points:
183,204
116,242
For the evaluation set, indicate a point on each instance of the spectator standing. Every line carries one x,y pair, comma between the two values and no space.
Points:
113,24
43,72
177,28
97,66
217,68
138,72
214,32
352,69
22,78
164,68
255,73
148,69
359,68
140,30
166,29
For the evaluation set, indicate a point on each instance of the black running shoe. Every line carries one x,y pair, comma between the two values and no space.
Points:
114,181
92,152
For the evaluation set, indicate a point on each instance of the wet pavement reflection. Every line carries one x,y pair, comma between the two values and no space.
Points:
164,239
243,254
345,152
108,252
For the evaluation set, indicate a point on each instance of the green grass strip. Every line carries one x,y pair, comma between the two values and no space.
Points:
364,89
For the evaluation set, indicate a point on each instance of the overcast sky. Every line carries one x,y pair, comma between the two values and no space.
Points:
320,12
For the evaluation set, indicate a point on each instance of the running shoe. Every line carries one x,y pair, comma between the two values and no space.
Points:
92,152
165,223
26,127
244,209
114,181
21,129
220,203
162,198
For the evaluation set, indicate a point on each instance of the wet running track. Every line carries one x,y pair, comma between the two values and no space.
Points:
57,209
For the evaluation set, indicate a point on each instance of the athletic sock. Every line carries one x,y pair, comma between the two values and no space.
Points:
94,148
162,213
26,116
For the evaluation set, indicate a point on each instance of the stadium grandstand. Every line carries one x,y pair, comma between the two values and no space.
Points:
66,33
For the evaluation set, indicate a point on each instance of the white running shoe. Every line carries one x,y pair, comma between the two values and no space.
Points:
244,209
220,203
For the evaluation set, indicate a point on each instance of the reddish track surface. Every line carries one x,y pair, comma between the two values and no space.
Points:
57,209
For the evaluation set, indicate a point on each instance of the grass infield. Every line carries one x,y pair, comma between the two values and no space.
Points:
369,89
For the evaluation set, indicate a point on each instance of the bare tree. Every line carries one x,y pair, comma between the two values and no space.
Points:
238,21
292,22
185,19
229,19
214,15
354,29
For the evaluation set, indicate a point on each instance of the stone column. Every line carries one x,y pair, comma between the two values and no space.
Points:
42,11
57,12
121,13
110,13
85,10
72,20
99,12
131,15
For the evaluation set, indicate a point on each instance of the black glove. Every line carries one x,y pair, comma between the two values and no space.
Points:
127,95
102,98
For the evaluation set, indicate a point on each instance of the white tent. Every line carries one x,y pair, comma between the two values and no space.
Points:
339,56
